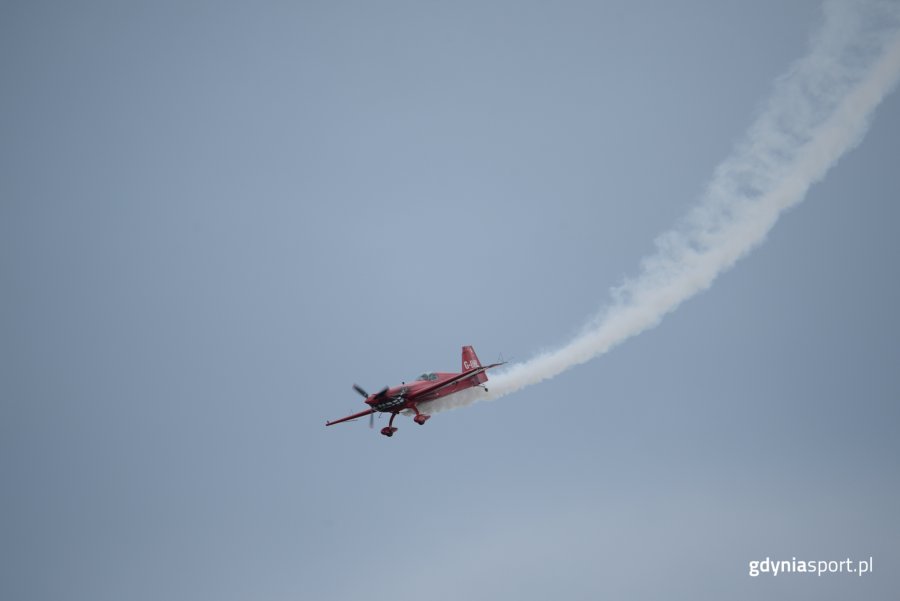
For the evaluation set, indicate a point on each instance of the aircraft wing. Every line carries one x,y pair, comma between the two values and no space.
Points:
349,417
463,376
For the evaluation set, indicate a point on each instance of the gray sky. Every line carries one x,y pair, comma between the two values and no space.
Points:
214,218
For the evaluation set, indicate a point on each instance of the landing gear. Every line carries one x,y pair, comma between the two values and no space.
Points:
390,429
420,418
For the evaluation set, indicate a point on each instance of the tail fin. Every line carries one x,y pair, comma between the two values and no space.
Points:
470,362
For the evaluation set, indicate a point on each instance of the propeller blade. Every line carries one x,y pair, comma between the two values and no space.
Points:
360,390
371,420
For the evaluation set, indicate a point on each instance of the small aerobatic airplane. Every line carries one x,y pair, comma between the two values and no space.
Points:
428,387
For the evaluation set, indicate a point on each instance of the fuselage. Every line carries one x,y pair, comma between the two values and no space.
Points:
404,396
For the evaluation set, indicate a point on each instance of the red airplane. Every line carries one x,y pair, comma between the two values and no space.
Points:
427,387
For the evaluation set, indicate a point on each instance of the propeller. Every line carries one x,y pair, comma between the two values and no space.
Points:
361,391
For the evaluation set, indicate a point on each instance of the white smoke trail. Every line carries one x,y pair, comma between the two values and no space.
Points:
818,111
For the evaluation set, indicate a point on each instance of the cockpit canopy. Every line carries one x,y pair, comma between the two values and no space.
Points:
428,377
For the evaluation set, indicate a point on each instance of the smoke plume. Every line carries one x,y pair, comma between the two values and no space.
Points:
818,110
